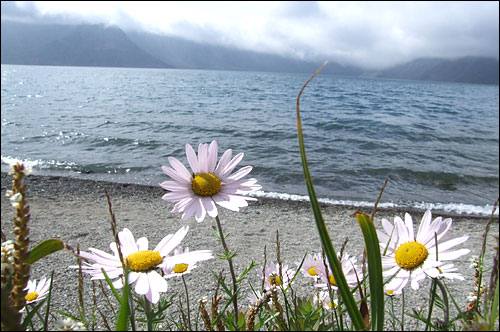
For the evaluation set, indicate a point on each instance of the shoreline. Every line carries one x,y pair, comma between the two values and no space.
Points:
76,212
56,185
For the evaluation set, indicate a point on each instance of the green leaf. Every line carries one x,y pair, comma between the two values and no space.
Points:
43,249
494,308
374,270
337,272
124,312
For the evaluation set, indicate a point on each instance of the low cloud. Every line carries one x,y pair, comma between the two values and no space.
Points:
373,35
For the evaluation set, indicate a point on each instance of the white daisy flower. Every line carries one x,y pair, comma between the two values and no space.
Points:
68,324
413,257
183,261
349,268
197,192
312,266
37,292
323,299
143,264
272,275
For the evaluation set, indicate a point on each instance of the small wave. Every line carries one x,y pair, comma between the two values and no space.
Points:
38,163
458,208
11,161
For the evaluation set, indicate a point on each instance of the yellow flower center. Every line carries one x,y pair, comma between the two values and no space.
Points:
206,184
330,305
411,254
31,296
180,268
332,280
275,280
312,271
143,261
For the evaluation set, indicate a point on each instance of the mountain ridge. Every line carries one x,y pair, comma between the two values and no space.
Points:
101,46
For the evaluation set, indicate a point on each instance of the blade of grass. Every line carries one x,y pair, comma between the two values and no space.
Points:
494,308
374,270
347,297
124,312
49,297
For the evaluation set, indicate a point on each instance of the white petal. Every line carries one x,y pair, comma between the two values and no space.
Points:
388,227
173,241
142,284
409,226
232,164
118,283
157,282
190,257
163,242
210,207
174,196
180,168
181,205
424,225
241,173
212,156
399,282
454,254
142,244
189,209
174,175
200,212
127,242
174,186
433,273
224,160
402,231
391,271
230,202
445,245
192,159
203,158
428,238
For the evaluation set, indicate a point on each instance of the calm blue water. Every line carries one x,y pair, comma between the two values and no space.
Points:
437,142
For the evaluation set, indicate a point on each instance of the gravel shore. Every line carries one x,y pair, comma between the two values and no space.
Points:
76,212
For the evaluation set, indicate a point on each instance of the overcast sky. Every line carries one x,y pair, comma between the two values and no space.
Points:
369,34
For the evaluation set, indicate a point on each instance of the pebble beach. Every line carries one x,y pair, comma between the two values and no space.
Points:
76,212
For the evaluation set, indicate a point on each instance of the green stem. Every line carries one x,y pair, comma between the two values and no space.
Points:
431,304
231,269
403,310
148,313
187,300
446,308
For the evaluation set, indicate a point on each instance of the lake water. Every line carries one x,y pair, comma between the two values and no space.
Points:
438,143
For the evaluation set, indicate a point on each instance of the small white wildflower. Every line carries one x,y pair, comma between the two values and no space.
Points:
323,299
68,324
9,193
474,262
37,292
7,257
16,199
